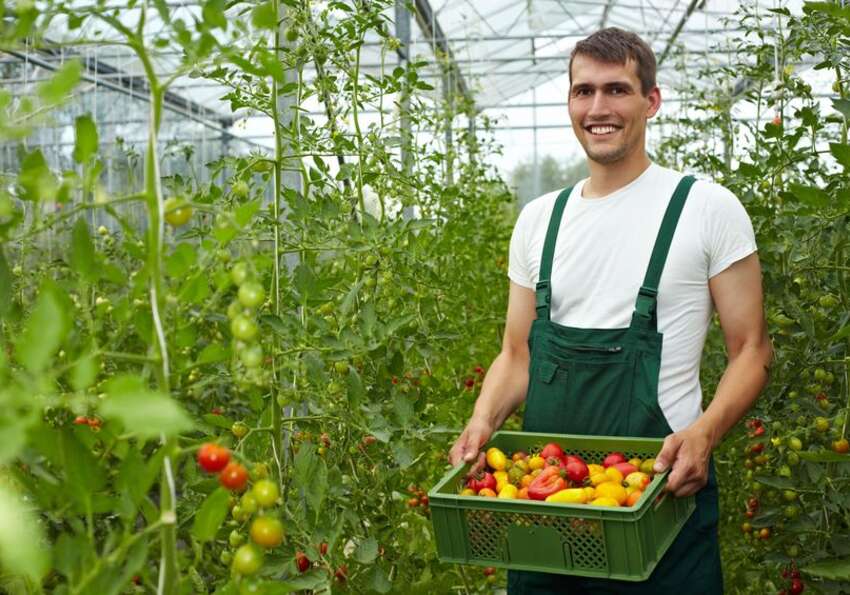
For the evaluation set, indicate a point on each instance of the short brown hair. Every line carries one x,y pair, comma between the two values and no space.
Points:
616,46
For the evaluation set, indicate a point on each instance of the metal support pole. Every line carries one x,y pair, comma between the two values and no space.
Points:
448,96
402,29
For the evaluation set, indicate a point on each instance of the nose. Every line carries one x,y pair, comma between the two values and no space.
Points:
598,105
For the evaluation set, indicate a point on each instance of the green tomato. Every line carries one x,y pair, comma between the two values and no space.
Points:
244,328
341,367
795,443
251,355
248,559
251,294
240,189
248,503
236,538
239,429
234,309
266,493
239,273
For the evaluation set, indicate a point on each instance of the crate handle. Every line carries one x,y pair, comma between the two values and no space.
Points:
660,500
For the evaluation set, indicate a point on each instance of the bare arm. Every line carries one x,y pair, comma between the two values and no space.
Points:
506,382
738,298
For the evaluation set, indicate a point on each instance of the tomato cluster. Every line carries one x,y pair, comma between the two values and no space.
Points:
242,313
554,476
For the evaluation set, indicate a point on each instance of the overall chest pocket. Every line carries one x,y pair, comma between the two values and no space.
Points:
546,397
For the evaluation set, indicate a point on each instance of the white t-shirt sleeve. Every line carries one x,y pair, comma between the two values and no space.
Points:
728,234
518,267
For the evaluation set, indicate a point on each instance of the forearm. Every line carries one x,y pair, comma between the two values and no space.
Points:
746,374
504,388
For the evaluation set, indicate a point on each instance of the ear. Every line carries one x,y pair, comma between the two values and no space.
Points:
654,98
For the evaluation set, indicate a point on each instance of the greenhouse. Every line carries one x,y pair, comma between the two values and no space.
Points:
420,296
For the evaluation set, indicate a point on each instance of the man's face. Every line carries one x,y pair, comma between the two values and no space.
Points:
607,109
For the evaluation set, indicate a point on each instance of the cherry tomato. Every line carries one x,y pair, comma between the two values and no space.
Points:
251,294
248,503
81,420
248,559
341,574
266,492
240,189
212,457
841,446
302,561
323,548
234,477
267,531
243,328
251,356
239,429
177,212
239,273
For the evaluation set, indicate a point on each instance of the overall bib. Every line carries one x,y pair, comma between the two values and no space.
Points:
605,382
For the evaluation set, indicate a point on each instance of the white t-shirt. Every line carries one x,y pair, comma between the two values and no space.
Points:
601,256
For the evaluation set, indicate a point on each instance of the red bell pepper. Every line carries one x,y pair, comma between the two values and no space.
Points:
546,484
480,481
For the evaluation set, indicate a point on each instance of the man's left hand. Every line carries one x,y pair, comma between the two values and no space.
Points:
688,453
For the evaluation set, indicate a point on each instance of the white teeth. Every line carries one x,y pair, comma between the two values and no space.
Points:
601,129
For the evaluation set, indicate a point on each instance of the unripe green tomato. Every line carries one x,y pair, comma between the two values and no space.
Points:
789,495
820,374
370,283
236,538
784,471
239,273
335,388
795,443
821,424
371,260
226,557
793,394
239,429
793,459
251,294
244,328
251,356
341,367
266,493
291,34
777,426
828,301
791,512
248,559
240,189
248,503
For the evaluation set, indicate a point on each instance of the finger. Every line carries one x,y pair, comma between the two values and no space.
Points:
457,450
472,446
689,488
668,453
479,464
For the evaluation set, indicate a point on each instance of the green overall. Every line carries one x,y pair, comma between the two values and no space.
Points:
605,382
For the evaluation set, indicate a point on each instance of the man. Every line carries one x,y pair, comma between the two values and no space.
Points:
612,288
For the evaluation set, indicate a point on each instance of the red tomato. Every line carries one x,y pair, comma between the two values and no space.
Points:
576,470
546,484
341,573
613,459
480,481
212,457
234,477
302,561
625,468
551,450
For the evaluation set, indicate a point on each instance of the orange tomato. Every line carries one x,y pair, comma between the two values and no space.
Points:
633,498
487,493
522,494
612,490
526,480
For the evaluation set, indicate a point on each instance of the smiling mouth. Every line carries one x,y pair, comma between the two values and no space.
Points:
602,129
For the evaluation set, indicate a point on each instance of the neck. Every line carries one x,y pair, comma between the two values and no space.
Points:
606,178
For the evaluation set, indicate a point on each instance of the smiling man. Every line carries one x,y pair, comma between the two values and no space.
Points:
613,284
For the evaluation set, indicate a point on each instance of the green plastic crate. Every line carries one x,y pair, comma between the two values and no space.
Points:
618,543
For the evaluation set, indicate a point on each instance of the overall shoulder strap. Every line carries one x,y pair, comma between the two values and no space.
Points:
543,293
646,304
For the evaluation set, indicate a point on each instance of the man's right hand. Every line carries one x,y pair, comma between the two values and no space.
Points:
467,448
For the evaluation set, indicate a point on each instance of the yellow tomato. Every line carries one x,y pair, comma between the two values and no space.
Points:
636,462
569,496
508,492
612,490
536,462
646,466
496,459
604,502
501,475
467,492
500,484
638,479
521,464
590,493
594,469
614,474
526,480
598,478
487,493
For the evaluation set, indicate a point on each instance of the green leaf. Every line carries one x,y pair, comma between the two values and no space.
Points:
782,483
85,144
311,474
84,371
843,106
810,195
379,581
84,475
83,258
841,152
213,14
13,437
36,180
212,353
218,421
21,538
181,260
825,456
263,16
367,551
60,86
402,455
244,213
211,515
5,286
132,477
836,570
46,328
143,412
